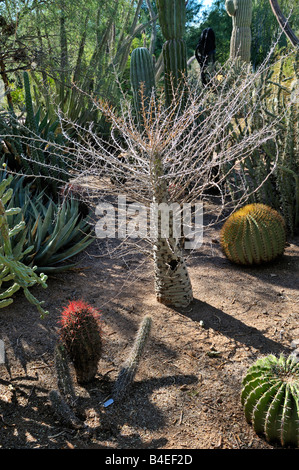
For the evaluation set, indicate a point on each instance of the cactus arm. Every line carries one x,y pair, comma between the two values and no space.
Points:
241,13
230,7
63,410
283,23
172,18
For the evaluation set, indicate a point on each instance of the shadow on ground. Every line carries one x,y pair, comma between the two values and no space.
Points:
231,327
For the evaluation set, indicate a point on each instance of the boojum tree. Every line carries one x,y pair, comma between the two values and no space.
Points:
179,153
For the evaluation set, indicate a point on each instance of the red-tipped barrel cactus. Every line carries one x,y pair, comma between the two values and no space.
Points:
81,334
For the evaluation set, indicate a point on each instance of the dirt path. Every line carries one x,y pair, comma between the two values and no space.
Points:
187,391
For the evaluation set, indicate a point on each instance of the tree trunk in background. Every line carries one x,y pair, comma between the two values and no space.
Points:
283,23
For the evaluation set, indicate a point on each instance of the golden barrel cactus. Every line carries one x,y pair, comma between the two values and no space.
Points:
254,234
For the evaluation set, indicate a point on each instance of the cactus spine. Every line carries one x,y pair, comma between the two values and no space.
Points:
270,397
142,81
172,18
253,234
129,369
241,13
80,333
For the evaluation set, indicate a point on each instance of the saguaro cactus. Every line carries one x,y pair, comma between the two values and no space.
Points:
241,13
172,18
142,80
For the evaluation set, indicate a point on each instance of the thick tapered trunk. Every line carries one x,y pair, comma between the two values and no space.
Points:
172,283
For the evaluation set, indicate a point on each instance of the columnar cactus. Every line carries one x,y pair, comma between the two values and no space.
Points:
270,397
142,80
172,18
63,376
129,369
253,234
80,333
63,411
241,13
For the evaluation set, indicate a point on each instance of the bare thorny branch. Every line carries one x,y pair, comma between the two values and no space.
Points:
191,141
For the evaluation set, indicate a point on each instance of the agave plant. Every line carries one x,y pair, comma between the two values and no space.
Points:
33,147
56,231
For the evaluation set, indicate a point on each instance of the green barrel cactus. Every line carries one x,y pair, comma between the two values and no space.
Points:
142,78
270,397
241,13
254,234
172,18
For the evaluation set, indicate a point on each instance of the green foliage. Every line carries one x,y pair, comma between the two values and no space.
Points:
270,396
270,173
129,369
57,232
253,234
81,335
265,28
35,148
12,270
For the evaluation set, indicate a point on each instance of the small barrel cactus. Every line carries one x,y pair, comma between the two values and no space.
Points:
253,234
81,335
270,397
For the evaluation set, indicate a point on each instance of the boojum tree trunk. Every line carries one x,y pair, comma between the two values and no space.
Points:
172,282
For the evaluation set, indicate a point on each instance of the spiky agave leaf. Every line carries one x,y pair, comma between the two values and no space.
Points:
54,233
